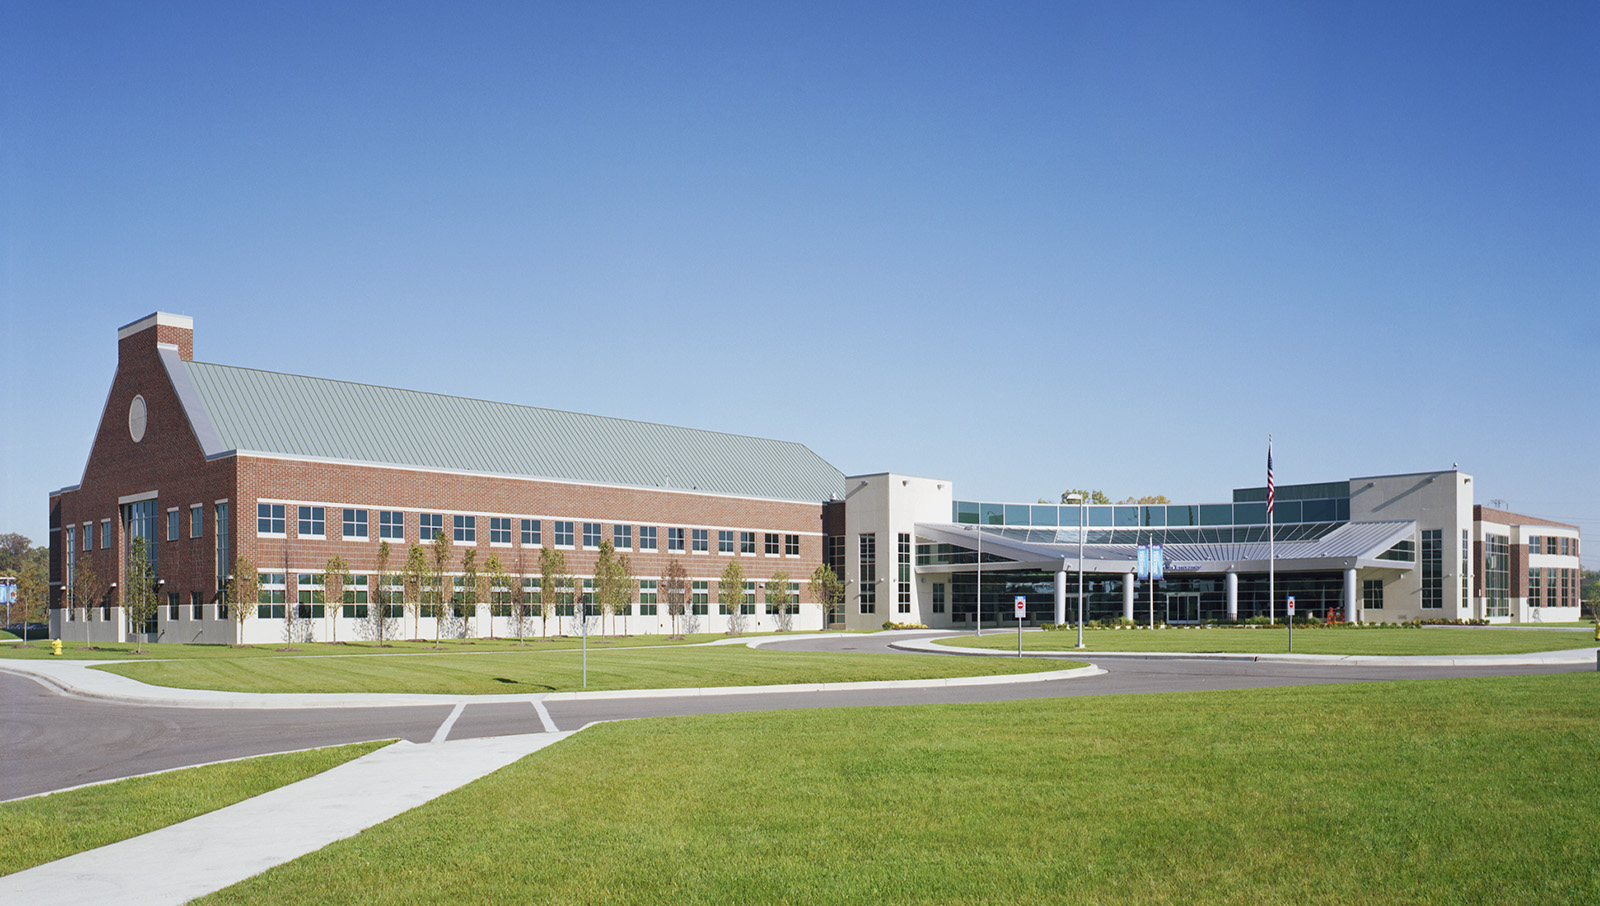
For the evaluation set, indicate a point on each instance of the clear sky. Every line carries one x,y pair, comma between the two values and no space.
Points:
1021,246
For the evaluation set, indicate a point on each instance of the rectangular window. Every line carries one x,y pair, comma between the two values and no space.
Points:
429,527
355,525
1535,592
88,536
1496,575
1432,569
105,534
312,523
647,591
173,610
724,542
591,535
500,530
197,521
869,572
173,520
499,600
647,537
197,605
530,595
770,544
1466,566
622,537
700,596
224,546
903,574
747,542
530,533
354,605
270,519
563,533
1533,544
1372,594
675,540
747,605
1550,589
701,539
938,597
391,525
465,529
308,587
791,545
270,596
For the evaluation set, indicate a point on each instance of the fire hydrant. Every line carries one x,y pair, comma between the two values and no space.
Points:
55,647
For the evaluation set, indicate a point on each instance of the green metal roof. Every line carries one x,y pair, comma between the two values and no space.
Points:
289,415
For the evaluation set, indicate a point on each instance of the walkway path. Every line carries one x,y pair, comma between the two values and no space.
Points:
176,864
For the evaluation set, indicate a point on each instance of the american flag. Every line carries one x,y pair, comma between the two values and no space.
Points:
1271,492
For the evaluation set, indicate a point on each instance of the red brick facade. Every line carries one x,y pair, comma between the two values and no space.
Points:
168,460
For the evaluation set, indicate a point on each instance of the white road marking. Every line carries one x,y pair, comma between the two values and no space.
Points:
444,728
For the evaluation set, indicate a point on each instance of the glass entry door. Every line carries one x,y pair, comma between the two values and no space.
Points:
1183,608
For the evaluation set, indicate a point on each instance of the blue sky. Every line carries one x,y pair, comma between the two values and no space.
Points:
1022,246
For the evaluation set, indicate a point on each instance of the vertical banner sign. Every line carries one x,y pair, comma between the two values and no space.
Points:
1157,562
1144,561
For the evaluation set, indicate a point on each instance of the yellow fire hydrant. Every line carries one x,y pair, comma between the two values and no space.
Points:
55,647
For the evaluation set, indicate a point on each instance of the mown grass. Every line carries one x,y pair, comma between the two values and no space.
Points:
102,651
1200,640
560,671
45,828
1429,792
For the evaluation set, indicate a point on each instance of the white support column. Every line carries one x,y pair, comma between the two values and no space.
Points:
1061,596
1232,585
1127,596
1352,603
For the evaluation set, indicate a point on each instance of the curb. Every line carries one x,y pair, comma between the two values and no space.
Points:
1572,656
209,700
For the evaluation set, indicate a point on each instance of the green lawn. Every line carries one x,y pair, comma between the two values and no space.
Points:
560,670
102,651
1433,641
45,828
1449,791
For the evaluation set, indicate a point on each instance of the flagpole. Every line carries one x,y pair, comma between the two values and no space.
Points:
1272,544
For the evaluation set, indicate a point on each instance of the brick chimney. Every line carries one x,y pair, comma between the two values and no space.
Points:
150,330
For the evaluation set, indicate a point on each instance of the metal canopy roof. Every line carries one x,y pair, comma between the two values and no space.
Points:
250,411
1351,545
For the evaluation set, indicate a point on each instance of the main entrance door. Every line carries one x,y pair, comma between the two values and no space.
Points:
1183,607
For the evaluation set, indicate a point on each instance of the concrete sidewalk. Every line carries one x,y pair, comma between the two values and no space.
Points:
1568,657
176,864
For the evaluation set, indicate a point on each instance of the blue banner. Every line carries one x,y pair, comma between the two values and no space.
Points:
1157,555
1144,561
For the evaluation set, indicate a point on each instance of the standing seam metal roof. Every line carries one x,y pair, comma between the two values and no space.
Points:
317,418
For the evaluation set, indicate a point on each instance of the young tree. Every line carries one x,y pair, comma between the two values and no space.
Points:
33,591
378,625
614,584
674,587
140,599
826,590
553,583
778,600
730,594
240,594
439,563
87,588
500,591
334,573
417,582
467,609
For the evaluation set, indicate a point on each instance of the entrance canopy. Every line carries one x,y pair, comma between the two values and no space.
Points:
952,547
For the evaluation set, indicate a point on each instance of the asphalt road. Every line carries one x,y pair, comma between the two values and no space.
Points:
50,741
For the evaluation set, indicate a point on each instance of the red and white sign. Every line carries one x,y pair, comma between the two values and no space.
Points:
1022,606
1291,605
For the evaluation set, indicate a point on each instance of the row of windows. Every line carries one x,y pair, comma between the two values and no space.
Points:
1553,544
272,520
1553,587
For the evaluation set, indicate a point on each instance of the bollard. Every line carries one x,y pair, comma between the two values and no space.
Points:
55,647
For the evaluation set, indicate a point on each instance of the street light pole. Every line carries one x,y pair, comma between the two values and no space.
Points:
1079,499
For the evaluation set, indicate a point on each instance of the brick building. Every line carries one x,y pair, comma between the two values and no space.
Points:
209,463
